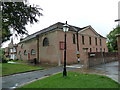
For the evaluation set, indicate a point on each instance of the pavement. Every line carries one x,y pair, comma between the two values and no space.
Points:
16,80
110,70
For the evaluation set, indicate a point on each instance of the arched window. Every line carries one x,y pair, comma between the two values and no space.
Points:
32,52
45,42
25,52
21,46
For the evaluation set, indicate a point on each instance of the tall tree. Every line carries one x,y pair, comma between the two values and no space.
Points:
15,15
1,52
112,40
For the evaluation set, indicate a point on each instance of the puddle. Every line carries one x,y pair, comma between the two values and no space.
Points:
11,62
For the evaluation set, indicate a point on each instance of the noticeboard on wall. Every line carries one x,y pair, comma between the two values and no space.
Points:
61,45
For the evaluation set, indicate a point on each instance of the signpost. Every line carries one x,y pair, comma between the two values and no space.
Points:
78,56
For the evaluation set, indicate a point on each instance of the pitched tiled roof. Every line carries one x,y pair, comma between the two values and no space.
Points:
53,27
50,28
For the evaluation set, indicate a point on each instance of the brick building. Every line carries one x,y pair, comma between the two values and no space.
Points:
47,45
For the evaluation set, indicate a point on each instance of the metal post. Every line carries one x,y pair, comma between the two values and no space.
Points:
37,48
64,70
77,42
78,54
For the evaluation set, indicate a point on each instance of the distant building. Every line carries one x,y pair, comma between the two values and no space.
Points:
11,51
47,45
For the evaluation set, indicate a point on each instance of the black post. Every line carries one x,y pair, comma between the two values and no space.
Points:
64,70
77,41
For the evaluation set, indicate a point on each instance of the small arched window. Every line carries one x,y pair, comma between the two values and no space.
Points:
25,52
45,42
32,52
22,46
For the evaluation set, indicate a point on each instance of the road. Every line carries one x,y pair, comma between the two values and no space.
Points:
22,78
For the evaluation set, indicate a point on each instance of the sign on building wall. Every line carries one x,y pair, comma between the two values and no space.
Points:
61,44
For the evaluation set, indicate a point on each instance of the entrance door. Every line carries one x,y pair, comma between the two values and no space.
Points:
28,56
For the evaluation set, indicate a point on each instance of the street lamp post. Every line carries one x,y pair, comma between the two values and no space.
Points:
65,29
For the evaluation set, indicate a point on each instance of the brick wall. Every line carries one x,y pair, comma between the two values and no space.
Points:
98,58
71,47
89,33
118,42
28,46
52,53
48,54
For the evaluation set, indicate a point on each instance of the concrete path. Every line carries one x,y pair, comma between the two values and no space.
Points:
20,79
110,70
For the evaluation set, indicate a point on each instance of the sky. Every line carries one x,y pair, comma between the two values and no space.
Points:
100,14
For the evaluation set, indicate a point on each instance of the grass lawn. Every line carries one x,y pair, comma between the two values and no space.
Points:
8,68
0,69
74,80
20,61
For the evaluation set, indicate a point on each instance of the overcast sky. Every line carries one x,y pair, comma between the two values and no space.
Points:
100,14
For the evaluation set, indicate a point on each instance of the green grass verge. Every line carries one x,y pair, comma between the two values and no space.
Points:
0,69
20,61
74,80
8,68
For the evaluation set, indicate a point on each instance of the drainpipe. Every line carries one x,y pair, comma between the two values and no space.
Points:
37,47
77,53
77,41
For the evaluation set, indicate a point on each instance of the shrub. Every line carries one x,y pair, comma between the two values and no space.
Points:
5,60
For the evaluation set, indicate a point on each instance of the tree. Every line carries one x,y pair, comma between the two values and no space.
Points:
112,40
1,52
15,15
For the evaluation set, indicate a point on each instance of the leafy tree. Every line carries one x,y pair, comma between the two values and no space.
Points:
15,15
1,52
112,40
